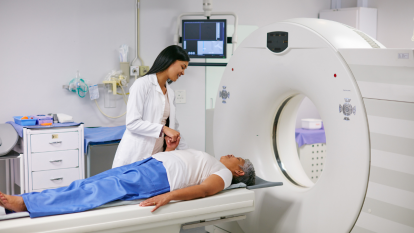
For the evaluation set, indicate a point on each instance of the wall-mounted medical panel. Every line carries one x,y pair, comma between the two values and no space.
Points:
389,202
312,158
386,74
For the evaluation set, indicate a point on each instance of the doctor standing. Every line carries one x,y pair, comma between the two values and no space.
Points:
151,109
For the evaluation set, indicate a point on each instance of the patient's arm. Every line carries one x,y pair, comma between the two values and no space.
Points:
212,185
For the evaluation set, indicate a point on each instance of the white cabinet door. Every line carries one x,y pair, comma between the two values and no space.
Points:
345,16
54,141
361,18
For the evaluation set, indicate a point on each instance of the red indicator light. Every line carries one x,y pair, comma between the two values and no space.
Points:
232,69
335,75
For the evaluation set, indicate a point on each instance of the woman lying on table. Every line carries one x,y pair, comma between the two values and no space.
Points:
166,176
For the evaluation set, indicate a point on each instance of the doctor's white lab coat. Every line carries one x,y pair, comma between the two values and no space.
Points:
145,108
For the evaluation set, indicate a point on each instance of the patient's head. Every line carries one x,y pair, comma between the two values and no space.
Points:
242,169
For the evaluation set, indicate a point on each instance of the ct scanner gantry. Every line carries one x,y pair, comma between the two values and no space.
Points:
368,180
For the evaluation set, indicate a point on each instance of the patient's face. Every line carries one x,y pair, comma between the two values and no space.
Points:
232,162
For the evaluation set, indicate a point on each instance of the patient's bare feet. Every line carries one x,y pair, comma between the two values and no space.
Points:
14,203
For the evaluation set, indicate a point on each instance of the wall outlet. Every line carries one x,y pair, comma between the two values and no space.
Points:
143,70
180,97
134,70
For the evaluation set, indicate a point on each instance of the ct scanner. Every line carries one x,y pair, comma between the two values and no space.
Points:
365,96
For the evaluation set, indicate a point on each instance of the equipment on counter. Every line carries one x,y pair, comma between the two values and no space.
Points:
64,118
8,138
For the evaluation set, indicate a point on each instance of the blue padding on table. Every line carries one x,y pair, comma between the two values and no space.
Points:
310,136
19,128
102,135
142,179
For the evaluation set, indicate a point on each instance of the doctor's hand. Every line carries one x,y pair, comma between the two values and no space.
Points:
171,145
157,201
173,134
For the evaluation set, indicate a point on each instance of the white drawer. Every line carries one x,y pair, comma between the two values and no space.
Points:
54,141
55,160
54,178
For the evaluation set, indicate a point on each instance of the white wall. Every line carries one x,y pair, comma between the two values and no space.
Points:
44,42
42,45
395,22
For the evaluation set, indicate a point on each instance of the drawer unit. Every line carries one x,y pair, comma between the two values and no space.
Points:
52,157
55,160
54,141
54,178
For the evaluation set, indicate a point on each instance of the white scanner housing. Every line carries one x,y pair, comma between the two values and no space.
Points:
365,96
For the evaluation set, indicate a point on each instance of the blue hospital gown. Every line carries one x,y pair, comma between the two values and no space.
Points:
142,179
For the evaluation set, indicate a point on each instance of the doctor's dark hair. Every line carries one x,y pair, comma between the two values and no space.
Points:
167,57
249,177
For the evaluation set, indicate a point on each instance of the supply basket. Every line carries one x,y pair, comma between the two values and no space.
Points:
44,119
25,122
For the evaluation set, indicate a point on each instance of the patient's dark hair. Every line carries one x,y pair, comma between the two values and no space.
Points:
249,177
167,57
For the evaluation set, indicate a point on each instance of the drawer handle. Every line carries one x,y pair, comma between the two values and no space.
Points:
55,161
55,142
59,178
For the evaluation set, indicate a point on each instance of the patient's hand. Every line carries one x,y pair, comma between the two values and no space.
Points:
157,201
171,145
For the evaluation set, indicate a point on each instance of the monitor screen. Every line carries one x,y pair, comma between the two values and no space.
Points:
205,38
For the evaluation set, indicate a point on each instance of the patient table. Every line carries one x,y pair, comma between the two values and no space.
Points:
227,205
127,216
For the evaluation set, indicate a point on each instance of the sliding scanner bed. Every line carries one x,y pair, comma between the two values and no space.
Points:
127,216
260,183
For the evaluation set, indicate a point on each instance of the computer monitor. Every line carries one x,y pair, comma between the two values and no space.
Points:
204,38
